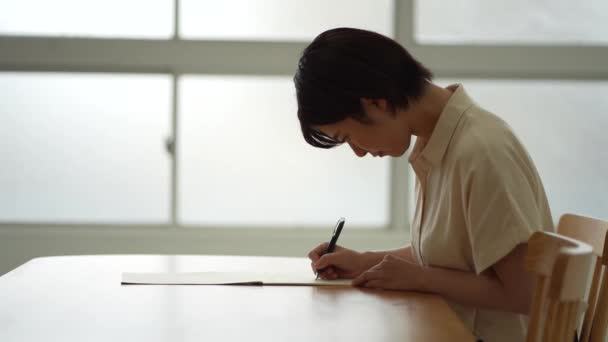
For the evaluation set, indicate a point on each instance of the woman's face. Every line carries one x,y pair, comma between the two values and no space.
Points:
388,134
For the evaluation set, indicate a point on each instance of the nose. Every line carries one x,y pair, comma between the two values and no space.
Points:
359,152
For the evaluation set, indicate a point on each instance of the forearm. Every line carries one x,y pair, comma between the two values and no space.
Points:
404,253
485,290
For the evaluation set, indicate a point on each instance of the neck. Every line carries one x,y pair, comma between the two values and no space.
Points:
426,111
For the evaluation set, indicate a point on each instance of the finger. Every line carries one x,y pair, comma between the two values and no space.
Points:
375,284
331,273
326,260
379,267
327,276
393,258
366,276
389,257
316,253
325,272
332,276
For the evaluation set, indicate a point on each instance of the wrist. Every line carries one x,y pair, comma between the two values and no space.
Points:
423,280
371,259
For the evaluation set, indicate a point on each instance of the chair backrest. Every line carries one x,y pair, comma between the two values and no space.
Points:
562,266
595,233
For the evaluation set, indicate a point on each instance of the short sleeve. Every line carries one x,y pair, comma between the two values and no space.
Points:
500,198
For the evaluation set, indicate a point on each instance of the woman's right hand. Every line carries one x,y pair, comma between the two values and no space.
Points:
342,263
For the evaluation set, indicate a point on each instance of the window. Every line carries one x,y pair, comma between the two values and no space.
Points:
273,20
242,161
173,107
82,147
512,22
91,18
186,118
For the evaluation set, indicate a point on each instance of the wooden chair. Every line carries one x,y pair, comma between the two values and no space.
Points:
562,266
595,233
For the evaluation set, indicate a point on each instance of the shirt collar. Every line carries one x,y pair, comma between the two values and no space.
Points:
436,146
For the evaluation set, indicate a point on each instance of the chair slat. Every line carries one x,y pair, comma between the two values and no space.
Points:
538,303
562,266
595,233
593,294
600,320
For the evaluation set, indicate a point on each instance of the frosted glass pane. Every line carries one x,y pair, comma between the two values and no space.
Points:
514,21
563,125
84,147
243,161
108,18
279,19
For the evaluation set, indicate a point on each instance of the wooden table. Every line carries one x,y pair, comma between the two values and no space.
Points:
79,298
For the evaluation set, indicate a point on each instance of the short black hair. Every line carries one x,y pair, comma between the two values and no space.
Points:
343,65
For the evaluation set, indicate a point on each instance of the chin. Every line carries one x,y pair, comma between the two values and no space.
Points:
401,152
406,146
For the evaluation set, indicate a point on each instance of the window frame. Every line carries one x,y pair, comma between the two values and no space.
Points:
176,57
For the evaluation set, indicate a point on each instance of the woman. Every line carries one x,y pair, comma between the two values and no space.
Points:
479,196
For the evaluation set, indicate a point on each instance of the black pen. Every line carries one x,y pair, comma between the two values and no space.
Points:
334,238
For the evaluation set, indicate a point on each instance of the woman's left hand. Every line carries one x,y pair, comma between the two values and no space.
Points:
392,273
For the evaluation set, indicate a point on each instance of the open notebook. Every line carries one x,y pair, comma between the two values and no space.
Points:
229,278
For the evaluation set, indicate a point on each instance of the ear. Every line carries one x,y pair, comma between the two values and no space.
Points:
374,104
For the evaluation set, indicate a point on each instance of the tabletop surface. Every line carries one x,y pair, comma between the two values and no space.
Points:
80,298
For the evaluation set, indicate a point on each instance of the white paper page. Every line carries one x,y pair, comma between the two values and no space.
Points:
229,278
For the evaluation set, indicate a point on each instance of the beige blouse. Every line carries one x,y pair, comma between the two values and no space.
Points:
478,195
